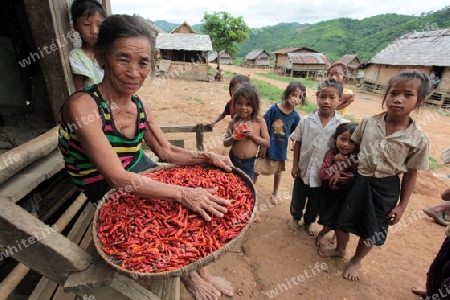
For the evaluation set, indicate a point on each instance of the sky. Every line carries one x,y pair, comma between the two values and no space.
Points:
260,13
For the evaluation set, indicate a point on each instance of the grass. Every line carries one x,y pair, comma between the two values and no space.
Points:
307,82
434,164
195,99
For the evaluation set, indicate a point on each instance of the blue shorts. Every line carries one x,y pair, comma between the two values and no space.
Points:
247,165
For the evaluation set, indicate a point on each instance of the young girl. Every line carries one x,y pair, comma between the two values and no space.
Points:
281,119
247,131
390,144
235,82
337,171
339,71
87,15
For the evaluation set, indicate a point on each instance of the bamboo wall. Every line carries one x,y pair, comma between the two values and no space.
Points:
187,70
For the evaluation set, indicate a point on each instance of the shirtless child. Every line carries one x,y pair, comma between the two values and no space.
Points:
247,131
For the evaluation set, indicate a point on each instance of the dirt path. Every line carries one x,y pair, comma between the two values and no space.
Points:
271,260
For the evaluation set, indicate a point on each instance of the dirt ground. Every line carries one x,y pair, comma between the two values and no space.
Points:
270,255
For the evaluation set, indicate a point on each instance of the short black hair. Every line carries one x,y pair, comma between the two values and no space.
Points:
333,83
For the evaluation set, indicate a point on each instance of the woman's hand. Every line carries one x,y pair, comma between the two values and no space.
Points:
203,202
219,161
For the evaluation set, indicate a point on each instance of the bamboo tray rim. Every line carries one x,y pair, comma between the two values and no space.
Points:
212,257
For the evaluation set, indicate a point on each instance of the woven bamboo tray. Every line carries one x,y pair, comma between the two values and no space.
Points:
214,256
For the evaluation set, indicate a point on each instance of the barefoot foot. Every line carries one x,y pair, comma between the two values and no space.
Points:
320,240
293,224
274,200
309,230
257,219
199,288
351,272
332,239
220,283
330,252
421,291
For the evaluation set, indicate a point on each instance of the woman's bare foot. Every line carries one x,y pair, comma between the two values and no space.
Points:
293,224
351,272
421,291
199,288
220,283
309,230
330,252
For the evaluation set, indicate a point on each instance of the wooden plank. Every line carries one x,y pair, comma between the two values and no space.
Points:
55,33
30,177
184,128
13,279
167,289
22,156
38,246
199,129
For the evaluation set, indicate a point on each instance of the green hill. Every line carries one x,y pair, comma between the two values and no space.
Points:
340,36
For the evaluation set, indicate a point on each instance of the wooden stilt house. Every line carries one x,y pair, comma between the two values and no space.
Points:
425,51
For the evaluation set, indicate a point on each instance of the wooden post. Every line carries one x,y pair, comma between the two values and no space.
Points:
38,246
199,137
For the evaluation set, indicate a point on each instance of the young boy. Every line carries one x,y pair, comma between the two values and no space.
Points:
312,140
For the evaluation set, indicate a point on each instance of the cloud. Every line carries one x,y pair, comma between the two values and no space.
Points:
260,13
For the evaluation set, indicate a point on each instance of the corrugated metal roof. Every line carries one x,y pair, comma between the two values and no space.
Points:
308,58
256,53
291,49
183,41
431,48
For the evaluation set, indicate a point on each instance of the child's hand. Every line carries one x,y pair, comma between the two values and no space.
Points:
340,157
211,124
346,178
395,215
295,172
262,151
334,180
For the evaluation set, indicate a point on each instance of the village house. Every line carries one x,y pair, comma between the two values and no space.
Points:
183,54
424,51
223,58
300,61
353,64
257,59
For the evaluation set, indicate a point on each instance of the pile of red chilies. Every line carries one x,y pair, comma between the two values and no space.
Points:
154,235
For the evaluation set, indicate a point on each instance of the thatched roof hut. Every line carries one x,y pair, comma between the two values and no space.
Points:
353,64
257,59
425,51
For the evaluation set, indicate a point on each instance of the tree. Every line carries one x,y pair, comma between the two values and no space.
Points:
225,31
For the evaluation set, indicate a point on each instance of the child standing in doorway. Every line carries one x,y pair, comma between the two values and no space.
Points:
337,173
87,15
281,119
235,82
312,140
247,131
339,72
390,144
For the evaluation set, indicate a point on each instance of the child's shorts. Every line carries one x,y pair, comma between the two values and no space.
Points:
264,166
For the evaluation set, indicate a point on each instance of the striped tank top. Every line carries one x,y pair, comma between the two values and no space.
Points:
82,171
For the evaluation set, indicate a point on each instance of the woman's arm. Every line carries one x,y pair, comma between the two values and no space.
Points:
80,113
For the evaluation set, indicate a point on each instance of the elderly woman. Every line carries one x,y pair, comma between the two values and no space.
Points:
103,127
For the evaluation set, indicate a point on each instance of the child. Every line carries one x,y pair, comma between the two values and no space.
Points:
281,120
87,15
235,82
337,171
339,72
247,131
312,140
438,275
390,144
219,74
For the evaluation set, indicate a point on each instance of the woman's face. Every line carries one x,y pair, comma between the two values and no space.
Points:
128,63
